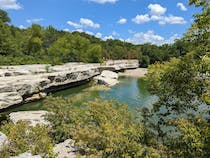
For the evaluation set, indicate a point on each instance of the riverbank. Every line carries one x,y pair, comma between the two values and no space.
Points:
24,83
137,73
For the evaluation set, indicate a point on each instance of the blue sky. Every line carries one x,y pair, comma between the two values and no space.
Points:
136,21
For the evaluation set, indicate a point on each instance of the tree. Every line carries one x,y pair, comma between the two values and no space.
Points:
4,16
198,34
94,53
35,41
7,46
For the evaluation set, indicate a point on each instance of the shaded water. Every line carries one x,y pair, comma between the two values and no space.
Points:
131,91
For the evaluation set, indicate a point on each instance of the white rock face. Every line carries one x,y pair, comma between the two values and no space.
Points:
3,139
26,155
121,64
65,149
107,78
33,117
9,98
17,83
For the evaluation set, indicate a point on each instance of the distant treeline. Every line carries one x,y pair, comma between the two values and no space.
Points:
37,44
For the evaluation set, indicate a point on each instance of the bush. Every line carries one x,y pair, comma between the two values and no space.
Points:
23,137
103,129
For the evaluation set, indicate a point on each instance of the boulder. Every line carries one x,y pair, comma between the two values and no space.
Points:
105,81
109,74
26,155
3,139
66,149
33,117
34,97
107,78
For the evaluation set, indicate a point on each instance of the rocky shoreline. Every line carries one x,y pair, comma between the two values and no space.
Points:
25,83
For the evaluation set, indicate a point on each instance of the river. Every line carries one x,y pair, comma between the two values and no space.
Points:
131,91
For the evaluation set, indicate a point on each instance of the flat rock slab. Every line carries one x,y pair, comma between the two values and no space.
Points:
33,117
26,155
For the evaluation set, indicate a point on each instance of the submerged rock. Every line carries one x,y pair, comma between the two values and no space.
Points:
33,117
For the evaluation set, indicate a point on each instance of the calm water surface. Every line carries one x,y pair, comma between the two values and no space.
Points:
131,91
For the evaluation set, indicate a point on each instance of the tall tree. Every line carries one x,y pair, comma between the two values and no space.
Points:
4,16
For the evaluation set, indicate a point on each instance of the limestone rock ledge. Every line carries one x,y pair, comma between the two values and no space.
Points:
24,88
24,83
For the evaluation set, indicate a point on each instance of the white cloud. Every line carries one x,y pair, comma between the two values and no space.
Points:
181,6
66,30
83,24
114,33
122,21
151,37
79,30
140,19
172,20
147,37
10,4
131,31
98,35
88,23
22,27
73,24
157,13
156,9
89,33
172,39
103,1
37,20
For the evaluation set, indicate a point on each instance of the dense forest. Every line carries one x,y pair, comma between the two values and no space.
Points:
175,127
37,44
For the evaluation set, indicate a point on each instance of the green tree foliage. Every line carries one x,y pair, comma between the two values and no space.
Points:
94,53
182,84
194,140
35,41
48,45
199,33
4,16
6,39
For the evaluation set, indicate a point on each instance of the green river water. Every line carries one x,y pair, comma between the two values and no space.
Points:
131,91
